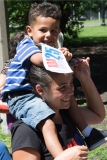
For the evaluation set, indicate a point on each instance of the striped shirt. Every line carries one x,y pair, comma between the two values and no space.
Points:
17,78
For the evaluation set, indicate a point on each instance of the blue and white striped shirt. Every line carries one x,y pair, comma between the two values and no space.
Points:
17,73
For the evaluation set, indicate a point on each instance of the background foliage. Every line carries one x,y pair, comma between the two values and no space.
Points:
18,14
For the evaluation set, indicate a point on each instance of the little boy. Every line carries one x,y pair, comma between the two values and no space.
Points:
44,26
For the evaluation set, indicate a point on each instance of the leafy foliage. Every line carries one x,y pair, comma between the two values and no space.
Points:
73,29
18,12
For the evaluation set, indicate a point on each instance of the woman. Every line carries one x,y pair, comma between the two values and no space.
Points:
56,90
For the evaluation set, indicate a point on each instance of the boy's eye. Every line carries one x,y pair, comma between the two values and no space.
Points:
43,30
54,31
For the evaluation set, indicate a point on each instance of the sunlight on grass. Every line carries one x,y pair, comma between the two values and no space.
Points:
98,154
93,35
6,138
94,31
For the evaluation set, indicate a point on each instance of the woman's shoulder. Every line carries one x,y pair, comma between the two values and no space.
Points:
25,136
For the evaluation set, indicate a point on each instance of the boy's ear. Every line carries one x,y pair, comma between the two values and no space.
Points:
39,89
29,31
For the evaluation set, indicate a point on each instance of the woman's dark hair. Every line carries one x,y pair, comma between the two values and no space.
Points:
44,9
39,75
16,38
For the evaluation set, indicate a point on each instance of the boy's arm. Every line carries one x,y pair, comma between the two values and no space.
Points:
66,53
94,112
27,49
37,59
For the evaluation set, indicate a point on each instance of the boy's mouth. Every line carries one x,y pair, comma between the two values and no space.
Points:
47,42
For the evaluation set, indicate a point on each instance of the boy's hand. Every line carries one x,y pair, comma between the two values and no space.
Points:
66,53
80,66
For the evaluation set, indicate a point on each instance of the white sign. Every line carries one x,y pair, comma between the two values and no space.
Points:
54,60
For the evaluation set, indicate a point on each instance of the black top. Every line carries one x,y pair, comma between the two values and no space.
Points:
25,136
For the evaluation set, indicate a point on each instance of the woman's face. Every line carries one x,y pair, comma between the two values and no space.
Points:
61,89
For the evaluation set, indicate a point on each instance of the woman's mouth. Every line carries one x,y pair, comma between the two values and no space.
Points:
65,100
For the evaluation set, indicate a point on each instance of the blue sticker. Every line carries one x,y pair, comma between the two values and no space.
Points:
52,53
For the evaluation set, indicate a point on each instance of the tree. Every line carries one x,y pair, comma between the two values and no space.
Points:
18,15
18,11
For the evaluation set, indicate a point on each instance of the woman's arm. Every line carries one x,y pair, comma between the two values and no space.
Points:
73,153
2,81
94,112
26,154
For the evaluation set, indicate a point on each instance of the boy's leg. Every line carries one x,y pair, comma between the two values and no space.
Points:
49,132
96,138
93,137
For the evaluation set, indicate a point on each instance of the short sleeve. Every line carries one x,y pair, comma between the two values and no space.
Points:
24,136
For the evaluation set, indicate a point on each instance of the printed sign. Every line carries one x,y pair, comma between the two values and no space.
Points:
54,60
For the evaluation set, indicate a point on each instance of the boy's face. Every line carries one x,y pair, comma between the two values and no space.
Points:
45,30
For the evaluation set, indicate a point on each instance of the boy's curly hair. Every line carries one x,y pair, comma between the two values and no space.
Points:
44,9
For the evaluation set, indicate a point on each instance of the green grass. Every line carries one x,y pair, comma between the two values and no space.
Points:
94,32
6,138
99,153
91,35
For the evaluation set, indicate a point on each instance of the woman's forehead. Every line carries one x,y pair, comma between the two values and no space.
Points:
62,77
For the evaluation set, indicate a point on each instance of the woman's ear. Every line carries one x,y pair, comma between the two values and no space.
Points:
29,31
39,89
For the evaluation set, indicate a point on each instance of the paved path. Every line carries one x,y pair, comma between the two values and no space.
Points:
95,24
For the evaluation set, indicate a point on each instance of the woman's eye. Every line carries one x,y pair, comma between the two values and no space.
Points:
62,88
71,83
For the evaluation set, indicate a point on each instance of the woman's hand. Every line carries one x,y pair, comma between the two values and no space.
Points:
81,68
74,153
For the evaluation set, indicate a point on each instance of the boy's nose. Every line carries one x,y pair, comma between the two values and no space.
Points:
48,34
